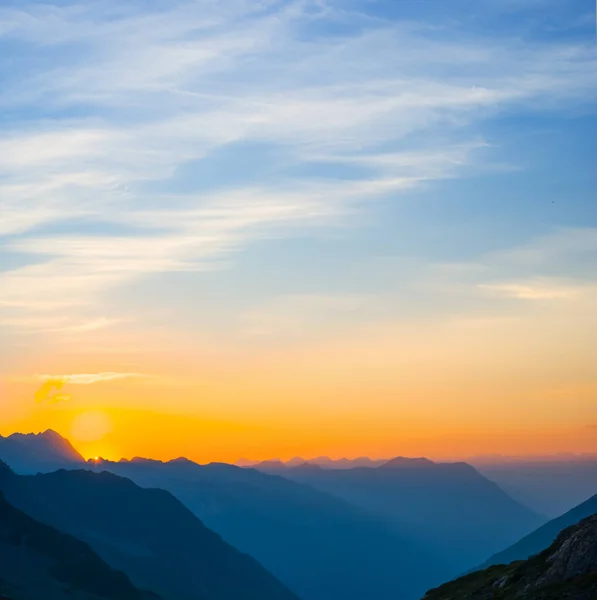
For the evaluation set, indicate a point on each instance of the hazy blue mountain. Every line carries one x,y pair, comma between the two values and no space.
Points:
320,546
38,562
550,487
147,533
566,570
541,538
38,453
275,465
449,507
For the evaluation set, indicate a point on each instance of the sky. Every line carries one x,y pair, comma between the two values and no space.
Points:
272,228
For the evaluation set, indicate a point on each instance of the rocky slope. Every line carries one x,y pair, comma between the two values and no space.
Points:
541,538
567,570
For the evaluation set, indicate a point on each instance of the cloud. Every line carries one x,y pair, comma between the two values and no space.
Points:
135,102
89,378
532,290
44,393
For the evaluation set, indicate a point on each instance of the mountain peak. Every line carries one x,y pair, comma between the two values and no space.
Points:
38,452
139,460
50,434
181,460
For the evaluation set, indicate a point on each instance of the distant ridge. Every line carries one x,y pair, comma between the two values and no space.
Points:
402,462
324,462
449,507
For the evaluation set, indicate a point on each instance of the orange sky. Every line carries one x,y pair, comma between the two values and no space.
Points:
437,389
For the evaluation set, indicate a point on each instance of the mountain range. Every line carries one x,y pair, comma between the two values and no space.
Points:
147,533
320,546
386,531
322,461
449,508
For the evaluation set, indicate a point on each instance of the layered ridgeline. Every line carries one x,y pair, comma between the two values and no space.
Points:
325,462
320,546
38,562
567,570
38,453
449,508
541,538
146,533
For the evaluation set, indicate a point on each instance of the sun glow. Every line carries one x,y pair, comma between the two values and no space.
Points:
90,426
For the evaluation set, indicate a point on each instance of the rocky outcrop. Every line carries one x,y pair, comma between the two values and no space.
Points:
567,570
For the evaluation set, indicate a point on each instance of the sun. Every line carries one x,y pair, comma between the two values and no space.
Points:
90,426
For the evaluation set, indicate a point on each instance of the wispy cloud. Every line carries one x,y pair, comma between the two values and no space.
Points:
533,290
134,102
89,378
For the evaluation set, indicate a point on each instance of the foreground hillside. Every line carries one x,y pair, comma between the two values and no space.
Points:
38,562
146,533
567,570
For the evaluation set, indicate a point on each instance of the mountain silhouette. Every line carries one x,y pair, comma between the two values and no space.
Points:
448,507
541,538
38,453
320,546
147,533
39,562
566,570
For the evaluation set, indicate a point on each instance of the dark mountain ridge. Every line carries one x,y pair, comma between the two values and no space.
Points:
147,533
38,562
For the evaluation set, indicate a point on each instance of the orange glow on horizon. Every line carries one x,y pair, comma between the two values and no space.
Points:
167,436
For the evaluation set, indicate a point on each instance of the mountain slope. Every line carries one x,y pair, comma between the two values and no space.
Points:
318,545
38,453
38,562
541,538
147,533
449,507
567,570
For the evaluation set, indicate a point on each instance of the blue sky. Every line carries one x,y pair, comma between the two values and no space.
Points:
263,173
